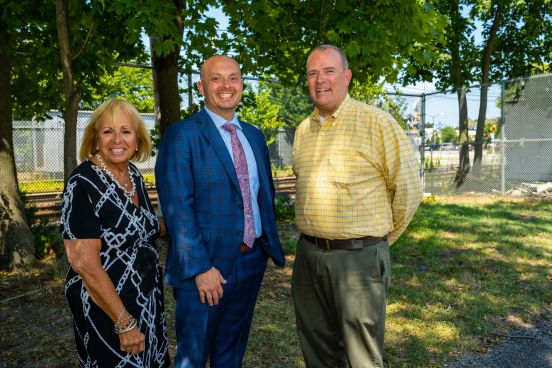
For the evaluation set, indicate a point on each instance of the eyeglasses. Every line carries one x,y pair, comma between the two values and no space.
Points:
219,79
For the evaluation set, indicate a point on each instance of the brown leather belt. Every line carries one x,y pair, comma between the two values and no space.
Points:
344,244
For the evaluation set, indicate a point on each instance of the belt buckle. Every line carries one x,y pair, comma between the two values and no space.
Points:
327,245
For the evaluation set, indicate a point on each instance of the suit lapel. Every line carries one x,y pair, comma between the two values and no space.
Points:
211,133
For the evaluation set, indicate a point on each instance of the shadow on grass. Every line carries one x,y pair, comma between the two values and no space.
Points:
463,272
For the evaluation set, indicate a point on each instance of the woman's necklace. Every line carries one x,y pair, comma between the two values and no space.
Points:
128,193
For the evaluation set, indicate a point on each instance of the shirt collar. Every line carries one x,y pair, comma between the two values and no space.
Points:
220,121
315,116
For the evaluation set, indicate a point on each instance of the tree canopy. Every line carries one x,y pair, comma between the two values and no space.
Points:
512,39
378,38
132,83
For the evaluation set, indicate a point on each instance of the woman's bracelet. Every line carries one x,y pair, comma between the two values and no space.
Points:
123,320
119,319
131,324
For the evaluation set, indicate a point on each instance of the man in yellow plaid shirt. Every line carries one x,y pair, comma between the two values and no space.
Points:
358,186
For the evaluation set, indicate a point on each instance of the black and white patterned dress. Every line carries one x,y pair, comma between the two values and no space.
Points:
94,207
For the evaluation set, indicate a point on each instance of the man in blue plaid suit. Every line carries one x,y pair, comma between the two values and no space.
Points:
216,277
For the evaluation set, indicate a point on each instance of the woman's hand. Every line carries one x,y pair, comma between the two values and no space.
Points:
162,227
133,341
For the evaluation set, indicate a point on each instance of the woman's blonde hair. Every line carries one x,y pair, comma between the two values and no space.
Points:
116,107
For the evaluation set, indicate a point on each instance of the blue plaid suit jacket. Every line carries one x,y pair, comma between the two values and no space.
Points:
201,199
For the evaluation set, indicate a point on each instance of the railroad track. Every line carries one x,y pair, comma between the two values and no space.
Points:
48,205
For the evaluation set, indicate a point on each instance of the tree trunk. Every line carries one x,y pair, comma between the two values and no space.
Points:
166,86
165,71
478,145
16,240
458,81
464,154
482,116
156,110
72,95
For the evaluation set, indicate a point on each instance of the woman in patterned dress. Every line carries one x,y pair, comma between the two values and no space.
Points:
114,284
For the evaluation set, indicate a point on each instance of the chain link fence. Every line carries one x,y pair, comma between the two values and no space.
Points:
38,143
441,153
516,144
526,138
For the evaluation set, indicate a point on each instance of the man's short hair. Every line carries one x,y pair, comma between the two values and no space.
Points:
335,48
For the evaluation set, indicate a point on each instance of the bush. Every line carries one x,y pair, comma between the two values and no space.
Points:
280,171
48,239
46,235
285,208
289,247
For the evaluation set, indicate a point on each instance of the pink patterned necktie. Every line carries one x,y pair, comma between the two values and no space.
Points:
243,178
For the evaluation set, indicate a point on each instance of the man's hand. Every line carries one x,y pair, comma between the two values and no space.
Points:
209,285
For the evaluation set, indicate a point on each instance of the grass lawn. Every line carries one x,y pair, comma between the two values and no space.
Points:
467,270
41,186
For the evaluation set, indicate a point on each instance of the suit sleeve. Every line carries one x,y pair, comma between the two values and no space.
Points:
175,186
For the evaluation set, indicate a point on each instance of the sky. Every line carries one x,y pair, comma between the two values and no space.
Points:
441,109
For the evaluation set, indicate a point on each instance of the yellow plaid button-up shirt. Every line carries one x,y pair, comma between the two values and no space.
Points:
357,174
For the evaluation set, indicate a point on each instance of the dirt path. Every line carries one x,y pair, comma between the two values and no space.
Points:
36,325
527,347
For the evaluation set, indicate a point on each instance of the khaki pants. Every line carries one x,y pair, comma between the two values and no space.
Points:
340,299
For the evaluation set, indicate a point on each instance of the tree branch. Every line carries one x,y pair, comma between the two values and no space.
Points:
84,43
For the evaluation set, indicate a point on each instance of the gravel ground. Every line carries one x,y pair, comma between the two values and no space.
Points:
529,347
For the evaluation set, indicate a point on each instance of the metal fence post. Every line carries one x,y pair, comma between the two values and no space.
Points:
422,145
502,143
